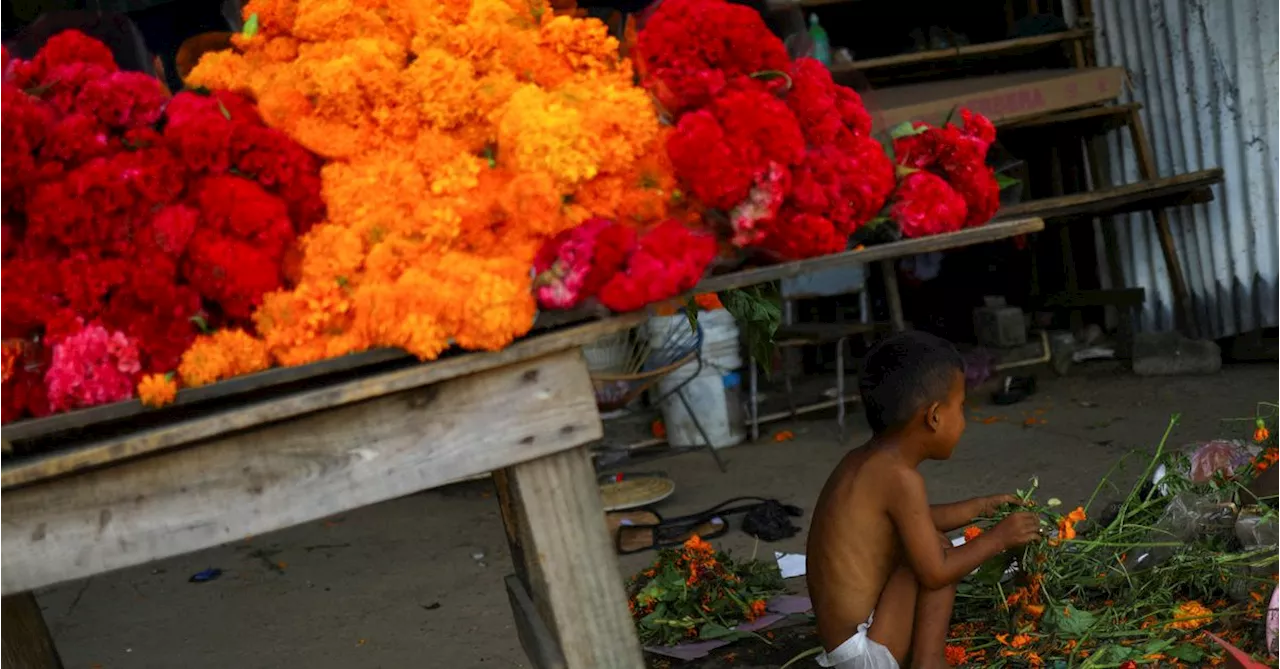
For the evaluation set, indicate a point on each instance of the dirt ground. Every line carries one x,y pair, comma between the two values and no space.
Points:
417,581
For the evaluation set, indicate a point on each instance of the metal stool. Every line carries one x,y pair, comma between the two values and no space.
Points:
791,335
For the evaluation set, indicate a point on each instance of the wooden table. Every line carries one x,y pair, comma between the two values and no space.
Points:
121,486
527,413
883,255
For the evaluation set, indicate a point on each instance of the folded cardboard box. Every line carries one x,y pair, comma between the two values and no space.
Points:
1001,98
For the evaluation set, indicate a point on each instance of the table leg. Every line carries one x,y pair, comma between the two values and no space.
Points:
26,643
891,295
563,554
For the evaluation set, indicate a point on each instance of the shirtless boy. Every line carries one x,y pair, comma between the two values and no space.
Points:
875,544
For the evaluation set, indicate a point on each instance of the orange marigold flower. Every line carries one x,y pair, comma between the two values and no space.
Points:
222,355
708,301
972,532
157,390
1260,432
755,609
1190,615
956,655
1067,526
696,547
1034,610
462,134
10,352
1266,459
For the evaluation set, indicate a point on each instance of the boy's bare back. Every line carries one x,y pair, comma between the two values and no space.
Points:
853,546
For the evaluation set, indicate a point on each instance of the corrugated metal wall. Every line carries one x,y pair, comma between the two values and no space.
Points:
1206,74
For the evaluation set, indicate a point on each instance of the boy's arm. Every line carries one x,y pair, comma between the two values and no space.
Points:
934,566
947,517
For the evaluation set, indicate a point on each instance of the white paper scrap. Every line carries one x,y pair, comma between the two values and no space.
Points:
790,564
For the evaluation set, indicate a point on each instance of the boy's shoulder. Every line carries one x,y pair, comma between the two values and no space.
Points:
872,467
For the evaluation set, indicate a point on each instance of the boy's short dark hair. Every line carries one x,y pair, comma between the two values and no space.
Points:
903,373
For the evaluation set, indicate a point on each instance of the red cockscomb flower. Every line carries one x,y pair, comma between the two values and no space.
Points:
925,204
669,260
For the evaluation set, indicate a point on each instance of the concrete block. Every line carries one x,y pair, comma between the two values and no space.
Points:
999,326
1169,354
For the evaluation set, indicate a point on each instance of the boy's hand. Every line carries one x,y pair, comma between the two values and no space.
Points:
991,504
1017,529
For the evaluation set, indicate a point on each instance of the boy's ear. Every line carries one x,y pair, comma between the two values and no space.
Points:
933,416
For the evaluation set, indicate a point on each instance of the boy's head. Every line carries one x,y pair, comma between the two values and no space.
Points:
914,382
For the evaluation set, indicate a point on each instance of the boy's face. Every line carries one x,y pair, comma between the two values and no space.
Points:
948,420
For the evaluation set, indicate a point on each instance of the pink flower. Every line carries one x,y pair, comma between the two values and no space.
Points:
92,367
762,204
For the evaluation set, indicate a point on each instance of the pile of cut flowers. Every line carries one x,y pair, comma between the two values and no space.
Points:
696,593
1149,582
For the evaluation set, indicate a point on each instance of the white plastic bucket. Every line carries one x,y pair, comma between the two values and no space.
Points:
713,392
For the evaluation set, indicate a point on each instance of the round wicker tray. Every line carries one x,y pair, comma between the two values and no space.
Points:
635,492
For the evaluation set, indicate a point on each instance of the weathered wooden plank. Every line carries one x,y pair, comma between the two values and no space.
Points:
34,428
291,472
986,49
26,643
901,249
1108,116
535,637
569,562
132,445
1130,197
1124,297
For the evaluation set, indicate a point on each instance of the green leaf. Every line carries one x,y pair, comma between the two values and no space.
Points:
758,311
1070,621
691,313
907,129
200,323
1187,653
886,143
1004,182
251,25
226,113
711,631
993,570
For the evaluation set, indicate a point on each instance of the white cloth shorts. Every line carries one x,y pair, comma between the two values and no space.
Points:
859,652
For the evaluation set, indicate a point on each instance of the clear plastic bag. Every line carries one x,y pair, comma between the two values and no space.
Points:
1257,527
1188,517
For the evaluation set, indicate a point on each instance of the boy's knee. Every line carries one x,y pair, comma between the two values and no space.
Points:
946,543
